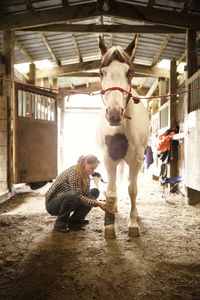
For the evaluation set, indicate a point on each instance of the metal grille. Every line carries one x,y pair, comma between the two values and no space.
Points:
164,117
194,96
181,103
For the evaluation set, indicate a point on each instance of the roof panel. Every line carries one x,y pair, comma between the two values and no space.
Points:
64,44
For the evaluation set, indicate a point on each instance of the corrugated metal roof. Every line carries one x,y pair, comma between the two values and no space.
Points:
75,48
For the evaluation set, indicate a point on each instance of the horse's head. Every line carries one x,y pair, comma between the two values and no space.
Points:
116,71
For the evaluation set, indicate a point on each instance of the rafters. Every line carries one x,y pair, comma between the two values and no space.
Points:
50,49
23,51
159,52
102,28
76,47
59,20
32,10
150,3
85,11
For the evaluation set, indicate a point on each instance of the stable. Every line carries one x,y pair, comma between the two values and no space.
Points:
36,31
49,52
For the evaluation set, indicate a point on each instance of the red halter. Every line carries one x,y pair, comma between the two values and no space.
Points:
130,96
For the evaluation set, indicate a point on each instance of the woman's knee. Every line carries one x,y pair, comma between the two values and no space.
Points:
95,193
52,210
73,194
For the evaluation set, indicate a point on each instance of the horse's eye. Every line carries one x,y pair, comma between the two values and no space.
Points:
129,73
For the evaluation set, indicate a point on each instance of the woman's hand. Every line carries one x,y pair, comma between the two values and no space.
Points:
100,204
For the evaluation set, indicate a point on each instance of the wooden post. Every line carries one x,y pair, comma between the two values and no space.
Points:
191,49
61,110
191,196
61,137
55,83
32,73
46,82
173,118
6,92
162,90
173,89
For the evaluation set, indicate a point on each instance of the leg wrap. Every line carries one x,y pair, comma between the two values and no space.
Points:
109,219
110,204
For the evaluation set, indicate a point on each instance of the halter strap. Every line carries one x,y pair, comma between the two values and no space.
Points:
130,95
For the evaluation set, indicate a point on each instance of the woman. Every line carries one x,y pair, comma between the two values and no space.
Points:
70,192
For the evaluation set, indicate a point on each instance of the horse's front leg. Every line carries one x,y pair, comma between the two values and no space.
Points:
111,198
132,189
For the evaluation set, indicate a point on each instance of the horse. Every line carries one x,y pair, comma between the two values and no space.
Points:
123,131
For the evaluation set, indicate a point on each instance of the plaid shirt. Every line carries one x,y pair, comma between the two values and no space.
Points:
69,180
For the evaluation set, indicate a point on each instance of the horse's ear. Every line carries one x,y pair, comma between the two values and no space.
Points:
102,46
131,46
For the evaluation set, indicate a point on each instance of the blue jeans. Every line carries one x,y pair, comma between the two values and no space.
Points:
66,203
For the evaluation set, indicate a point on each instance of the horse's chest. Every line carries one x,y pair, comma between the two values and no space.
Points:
117,145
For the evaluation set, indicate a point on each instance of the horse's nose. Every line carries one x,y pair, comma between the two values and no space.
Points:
114,116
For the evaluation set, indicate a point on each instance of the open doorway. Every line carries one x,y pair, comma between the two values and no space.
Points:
82,114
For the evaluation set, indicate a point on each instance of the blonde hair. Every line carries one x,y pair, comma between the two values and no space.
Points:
89,159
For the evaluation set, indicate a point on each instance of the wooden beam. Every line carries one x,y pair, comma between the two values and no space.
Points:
155,15
140,70
100,28
8,56
50,49
173,89
173,121
191,52
150,3
55,83
111,37
76,47
70,83
65,3
82,74
188,6
150,71
31,8
162,91
182,58
23,51
85,11
134,50
2,68
29,5
140,86
93,87
152,89
49,16
31,74
159,52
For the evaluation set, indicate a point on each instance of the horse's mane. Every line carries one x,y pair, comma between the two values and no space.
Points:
115,53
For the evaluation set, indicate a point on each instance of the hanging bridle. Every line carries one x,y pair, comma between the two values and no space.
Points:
130,95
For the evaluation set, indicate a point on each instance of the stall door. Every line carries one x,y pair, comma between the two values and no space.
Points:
192,146
34,134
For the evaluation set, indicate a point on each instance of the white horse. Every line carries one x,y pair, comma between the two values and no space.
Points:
123,130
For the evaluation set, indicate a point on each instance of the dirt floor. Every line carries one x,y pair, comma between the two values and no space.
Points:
163,263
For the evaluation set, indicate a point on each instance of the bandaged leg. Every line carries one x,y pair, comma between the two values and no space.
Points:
110,217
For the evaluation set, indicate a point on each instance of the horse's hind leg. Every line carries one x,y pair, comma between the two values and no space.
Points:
132,189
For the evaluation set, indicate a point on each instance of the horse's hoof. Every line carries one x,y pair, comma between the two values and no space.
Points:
110,232
134,231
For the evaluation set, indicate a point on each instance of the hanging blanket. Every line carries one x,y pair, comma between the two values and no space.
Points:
165,138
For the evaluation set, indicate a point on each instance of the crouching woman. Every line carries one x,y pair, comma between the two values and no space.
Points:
70,197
